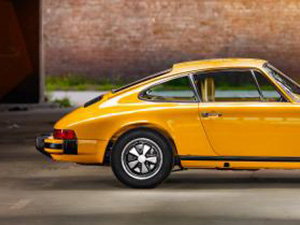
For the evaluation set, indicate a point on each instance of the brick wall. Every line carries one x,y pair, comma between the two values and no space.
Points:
132,38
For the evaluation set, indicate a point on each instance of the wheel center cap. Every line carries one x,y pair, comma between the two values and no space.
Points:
141,158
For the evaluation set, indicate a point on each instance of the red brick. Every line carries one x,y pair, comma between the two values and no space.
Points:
112,38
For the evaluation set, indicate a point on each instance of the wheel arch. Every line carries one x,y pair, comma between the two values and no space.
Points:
140,126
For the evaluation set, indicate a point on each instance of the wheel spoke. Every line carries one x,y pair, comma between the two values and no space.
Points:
144,168
151,166
133,164
137,169
152,159
140,147
134,152
146,148
142,158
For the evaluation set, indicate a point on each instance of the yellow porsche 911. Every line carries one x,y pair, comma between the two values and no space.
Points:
212,114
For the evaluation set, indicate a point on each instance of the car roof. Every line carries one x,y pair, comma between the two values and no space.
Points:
217,63
191,66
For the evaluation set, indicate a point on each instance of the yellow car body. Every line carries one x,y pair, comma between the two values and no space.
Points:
223,135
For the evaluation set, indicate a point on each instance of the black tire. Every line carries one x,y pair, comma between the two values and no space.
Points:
122,159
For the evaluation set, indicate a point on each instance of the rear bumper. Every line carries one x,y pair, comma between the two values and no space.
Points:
47,146
40,144
79,151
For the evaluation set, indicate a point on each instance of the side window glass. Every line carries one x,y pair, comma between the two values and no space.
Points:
269,92
179,89
227,86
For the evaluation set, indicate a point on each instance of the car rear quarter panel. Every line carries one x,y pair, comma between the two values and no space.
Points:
107,119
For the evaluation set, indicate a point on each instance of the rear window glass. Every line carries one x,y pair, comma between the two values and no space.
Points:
141,80
179,89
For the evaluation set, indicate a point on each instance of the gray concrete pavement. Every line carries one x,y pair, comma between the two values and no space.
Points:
35,190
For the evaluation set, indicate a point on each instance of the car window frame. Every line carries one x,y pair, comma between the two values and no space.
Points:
271,82
192,85
251,70
289,95
132,84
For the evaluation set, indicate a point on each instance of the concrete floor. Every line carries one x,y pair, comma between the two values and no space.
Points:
34,190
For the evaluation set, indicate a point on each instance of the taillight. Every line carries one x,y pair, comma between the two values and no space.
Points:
64,134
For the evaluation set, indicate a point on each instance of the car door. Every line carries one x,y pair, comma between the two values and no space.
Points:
244,114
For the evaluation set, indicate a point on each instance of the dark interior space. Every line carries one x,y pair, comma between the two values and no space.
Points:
19,51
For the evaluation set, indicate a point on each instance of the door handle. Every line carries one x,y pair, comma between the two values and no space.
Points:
211,114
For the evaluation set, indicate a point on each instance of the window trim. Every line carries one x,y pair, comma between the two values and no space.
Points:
155,75
261,96
192,80
197,100
271,82
250,69
267,65
287,94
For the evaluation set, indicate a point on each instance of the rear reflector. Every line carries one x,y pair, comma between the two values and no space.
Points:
64,134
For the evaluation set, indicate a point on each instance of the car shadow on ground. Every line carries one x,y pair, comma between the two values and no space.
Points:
230,183
182,181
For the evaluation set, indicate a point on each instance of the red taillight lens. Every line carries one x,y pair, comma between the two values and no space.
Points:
64,134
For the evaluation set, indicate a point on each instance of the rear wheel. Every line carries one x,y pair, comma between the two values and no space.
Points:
142,159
